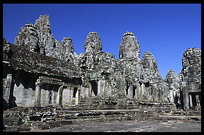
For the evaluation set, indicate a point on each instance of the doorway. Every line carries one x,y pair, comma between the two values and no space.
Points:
94,87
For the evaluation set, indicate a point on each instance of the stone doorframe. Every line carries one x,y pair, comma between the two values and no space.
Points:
55,81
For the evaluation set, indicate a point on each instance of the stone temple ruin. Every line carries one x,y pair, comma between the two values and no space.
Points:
40,72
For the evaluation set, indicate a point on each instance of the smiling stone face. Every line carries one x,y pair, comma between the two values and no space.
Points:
28,37
129,47
191,64
93,43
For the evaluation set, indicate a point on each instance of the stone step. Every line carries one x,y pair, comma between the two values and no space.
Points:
23,128
12,121
66,122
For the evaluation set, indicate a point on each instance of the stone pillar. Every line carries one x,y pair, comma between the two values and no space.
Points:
190,100
99,87
71,94
8,88
59,96
104,88
54,95
185,96
130,92
89,89
67,96
108,88
82,92
198,100
37,93
77,97
142,90
86,90
137,90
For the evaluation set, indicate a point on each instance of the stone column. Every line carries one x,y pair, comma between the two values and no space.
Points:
137,92
59,95
108,89
185,95
105,88
99,87
77,97
8,88
142,90
89,89
198,100
130,92
54,94
103,92
37,93
71,94
86,91
190,100
66,96
82,92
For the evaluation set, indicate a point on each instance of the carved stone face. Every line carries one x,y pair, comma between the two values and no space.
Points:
129,47
68,45
149,61
191,63
28,37
191,57
33,40
93,43
171,78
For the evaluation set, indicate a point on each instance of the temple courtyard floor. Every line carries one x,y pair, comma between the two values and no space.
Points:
129,126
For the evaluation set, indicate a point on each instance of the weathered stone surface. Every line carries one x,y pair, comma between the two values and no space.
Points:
173,84
129,47
191,63
38,38
155,86
151,72
93,43
6,92
46,39
28,37
190,78
93,80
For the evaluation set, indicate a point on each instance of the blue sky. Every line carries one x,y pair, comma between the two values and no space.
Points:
166,30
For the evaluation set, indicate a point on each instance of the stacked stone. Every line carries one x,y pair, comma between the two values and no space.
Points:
93,50
99,66
151,72
191,64
152,78
129,76
38,38
129,47
65,51
129,64
28,37
6,49
92,43
190,77
173,84
46,39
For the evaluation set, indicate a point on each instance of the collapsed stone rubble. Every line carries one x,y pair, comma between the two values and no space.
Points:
41,72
